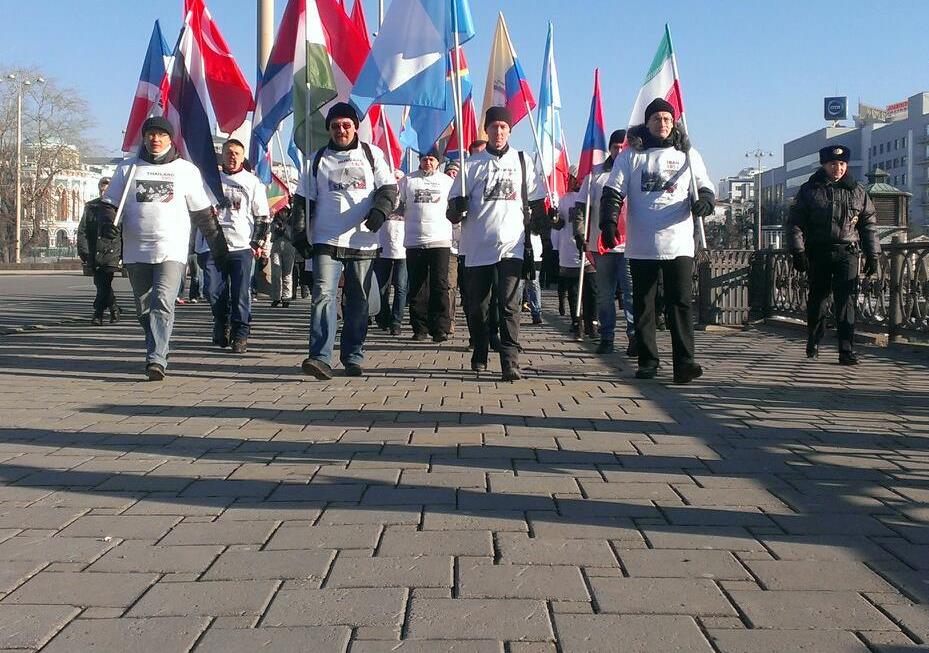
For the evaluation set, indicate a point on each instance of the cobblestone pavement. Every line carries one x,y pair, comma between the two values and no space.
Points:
773,505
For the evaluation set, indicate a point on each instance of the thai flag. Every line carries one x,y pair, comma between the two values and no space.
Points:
593,152
553,151
407,62
507,85
186,111
148,93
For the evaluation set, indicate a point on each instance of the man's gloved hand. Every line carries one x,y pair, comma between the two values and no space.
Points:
801,263
870,266
375,220
704,204
580,242
457,209
608,234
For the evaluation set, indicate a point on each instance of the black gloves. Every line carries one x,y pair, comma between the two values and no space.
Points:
375,220
801,264
261,232
457,209
611,203
580,242
704,204
608,234
870,266
299,222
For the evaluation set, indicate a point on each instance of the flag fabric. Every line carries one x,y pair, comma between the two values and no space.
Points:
294,153
298,77
431,127
594,150
407,61
151,90
187,113
507,85
278,194
553,151
469,124
660,82
358,18
230,94
260,158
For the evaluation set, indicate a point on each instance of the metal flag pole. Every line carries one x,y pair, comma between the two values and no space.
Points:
456,92
130,177
693,181
280,146
583,253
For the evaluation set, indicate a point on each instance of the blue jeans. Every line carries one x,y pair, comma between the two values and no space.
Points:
534,294
155,286
324,309
196,278
612,273
228,292
391,272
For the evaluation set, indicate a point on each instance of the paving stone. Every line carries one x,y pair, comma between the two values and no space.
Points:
825,547
384,571
915,618
205,598
258,565
30,626
162,635
670,563
513,619
815,610
278,511
428,646
637,633
495,521
319,639
834,575
233,532
731,538
361,536
778,641
690,596
124,527
142,556
396,542
516,549
110,590
337,607
480,579
177,506
14,573
592,529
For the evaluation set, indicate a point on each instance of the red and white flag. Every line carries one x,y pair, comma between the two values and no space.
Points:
660,82
151,91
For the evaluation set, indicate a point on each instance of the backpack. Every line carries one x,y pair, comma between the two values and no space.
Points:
369,155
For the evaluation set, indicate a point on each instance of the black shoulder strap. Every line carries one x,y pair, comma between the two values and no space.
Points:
524,187
316,159
369,155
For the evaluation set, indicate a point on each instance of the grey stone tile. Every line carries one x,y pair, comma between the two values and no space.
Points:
637,633
480,579
144,557
512,619
217,598
30,626
814,610
385,571
777,641
161,635
108,590
685,596
318,639
337,607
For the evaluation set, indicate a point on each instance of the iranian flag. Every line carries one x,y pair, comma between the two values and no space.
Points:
661,82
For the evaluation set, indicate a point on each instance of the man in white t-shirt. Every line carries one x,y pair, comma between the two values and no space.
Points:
244,218
390,271
341,202
502,189
428,242
652,178
165,194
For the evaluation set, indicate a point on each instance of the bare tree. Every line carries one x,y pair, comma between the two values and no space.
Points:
55,121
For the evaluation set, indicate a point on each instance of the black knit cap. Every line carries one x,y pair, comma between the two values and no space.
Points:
498,114
834,153
434,153
617,136
659,104
158,122
342,110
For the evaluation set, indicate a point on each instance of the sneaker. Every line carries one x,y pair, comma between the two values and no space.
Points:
353,369
510,373
647,371
194,300
155,372
478,367
97,320
591,332
687,373
395,330
632,349
812,351
537,319
605,347
239,346
848,358
439,337
317,368
180,301
285,304
304,292
115,314
419,337
223,340
275,303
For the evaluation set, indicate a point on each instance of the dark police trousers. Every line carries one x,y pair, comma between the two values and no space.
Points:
677,277
481,304
835,268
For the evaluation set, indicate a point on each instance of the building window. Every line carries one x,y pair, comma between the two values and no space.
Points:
896,143
896,163
903,179
903,160
882,145
903,142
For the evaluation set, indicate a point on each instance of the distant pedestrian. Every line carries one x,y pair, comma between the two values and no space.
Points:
391,271
87,230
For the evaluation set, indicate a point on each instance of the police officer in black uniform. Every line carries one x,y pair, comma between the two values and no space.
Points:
831,222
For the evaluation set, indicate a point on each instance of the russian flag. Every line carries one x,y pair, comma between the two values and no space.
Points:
186,111
148,93
507,85
593,151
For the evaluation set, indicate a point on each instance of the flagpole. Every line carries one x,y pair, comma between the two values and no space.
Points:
280,146
390,155
456,92
535,134
307,140
693,181
580,280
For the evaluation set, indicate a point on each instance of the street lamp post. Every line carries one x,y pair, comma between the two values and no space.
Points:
17,236
758,154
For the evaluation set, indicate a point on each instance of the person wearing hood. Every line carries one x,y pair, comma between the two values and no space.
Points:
166,195
341,202
652,180
612,266
86,249
831,221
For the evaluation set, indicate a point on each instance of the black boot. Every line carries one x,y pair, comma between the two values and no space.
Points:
848,358
115,314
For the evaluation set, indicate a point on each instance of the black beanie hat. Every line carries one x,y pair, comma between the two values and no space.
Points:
659,104
342,110
498,114
158,122
834,153
434,153
617,136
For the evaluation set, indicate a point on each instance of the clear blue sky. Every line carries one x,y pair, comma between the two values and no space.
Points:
754,72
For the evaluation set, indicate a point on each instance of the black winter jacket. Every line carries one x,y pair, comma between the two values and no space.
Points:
832,213
87,231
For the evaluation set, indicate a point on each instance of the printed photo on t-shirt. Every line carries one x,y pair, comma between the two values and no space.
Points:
348,177
154,191
235,196
656,178
500,185
426,196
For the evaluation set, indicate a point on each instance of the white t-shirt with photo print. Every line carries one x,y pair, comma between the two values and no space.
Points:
425,203
156,218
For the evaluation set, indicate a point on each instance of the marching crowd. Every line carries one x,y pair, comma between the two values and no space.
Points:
626,232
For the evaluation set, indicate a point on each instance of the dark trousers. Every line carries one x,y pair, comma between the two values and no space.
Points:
568,283
228,292
832,269
678,297
391,273
481,304
105,298
427,269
